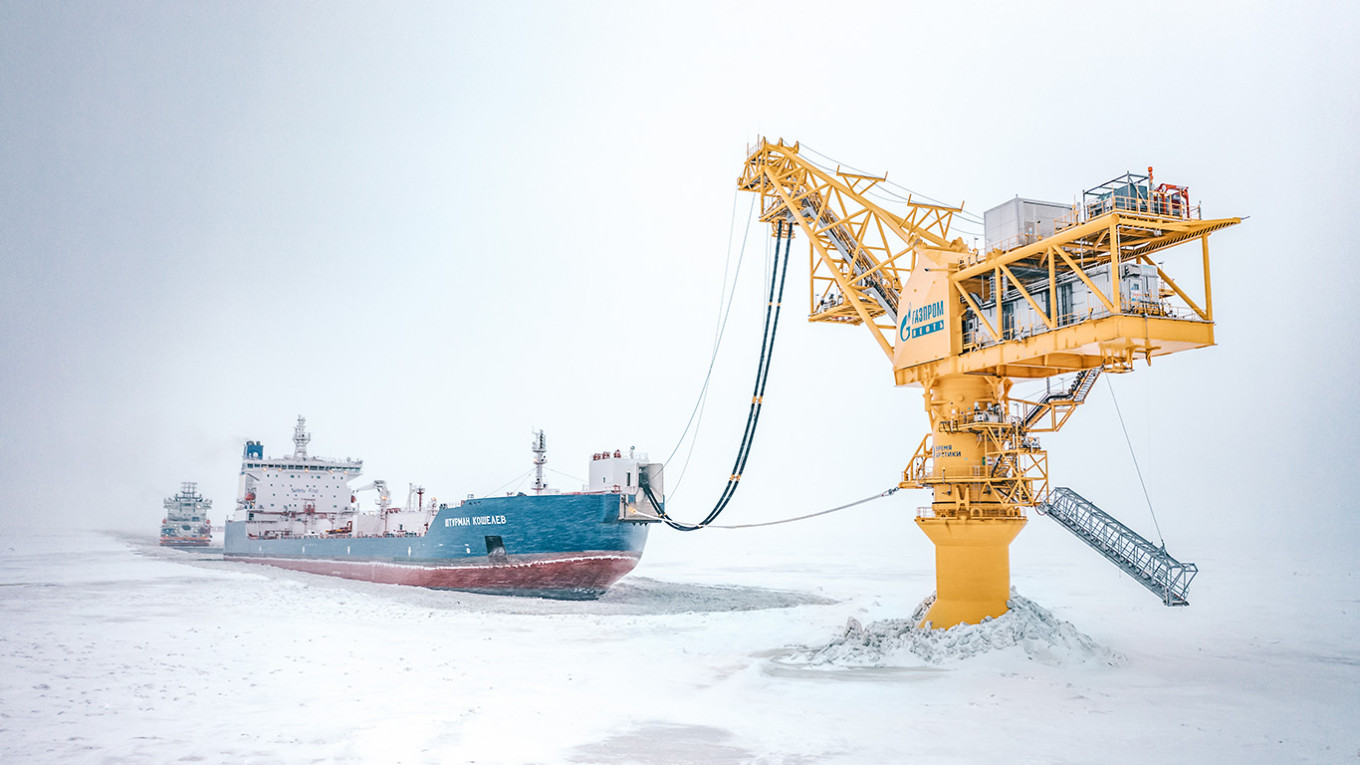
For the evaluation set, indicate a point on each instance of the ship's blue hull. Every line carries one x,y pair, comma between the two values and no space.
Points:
562,545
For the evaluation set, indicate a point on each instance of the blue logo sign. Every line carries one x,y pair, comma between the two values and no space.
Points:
917,322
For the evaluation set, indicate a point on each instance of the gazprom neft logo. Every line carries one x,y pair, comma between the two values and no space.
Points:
921,321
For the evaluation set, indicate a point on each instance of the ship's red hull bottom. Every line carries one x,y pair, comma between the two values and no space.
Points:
582,576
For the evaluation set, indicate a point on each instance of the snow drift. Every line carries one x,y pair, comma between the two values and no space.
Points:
1026,628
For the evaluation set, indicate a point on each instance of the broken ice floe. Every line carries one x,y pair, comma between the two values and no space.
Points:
1026,629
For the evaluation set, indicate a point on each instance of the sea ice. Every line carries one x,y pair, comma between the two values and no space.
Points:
1026,628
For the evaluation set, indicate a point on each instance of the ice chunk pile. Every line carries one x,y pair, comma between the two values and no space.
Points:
1026,630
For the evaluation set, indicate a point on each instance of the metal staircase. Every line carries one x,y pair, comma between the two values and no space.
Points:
1073,396
1148,564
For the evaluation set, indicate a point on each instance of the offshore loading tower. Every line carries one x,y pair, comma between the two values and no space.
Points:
1057,290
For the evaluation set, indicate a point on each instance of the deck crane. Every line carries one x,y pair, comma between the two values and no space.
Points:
384,496
1073,290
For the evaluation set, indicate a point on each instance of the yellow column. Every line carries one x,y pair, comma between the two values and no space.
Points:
971,526
972,568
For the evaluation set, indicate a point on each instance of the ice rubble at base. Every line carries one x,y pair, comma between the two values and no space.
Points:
1027,630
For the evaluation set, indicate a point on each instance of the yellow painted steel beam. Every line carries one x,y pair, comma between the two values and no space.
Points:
1203,314
1052,284
1048,321
851,238
1182,230
847,290
902,227
1090,285
1177,234
1208,312
1037,355
1116,295
996,336
889,263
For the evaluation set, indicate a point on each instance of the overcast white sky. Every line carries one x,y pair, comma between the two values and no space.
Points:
431,227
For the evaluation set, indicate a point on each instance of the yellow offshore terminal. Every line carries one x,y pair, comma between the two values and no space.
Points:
1063,290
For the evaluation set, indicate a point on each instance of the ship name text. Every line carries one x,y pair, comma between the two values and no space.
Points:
475,520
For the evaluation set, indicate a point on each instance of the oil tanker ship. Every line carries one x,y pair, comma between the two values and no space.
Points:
299,512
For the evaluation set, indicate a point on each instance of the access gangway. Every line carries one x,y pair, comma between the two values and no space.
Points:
1148,564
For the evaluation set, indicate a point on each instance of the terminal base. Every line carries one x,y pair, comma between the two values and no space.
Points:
972,568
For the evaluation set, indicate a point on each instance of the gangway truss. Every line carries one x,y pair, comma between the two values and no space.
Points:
1146,563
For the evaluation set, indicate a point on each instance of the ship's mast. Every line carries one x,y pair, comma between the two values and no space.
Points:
301,438
540,449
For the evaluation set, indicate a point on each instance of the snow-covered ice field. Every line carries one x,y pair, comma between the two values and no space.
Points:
112,650
430,227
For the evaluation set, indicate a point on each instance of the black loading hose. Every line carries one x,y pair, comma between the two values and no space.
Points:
777,273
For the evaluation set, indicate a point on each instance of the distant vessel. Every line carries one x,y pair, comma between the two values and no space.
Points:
298,512
186,521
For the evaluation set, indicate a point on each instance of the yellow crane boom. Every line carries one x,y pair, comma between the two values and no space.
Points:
860,253
1073,291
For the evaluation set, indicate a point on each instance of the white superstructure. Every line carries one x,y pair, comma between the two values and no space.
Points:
615,472
299,483
302,495
186,518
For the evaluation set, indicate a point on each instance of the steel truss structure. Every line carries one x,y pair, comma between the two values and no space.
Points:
1088,297
860,253
1146,563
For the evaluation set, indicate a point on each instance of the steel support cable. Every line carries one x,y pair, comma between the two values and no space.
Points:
913,196
772,310
520,478
720,330
882,193
578,479
961,224
1139,470
886,182
828,511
